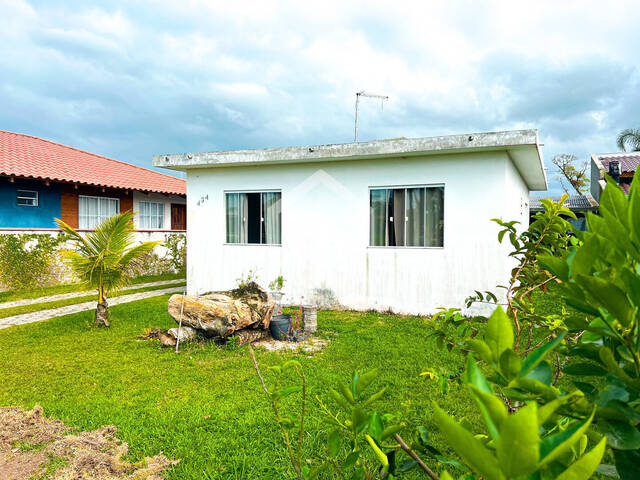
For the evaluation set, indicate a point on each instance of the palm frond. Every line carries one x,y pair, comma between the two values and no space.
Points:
629,137
101,257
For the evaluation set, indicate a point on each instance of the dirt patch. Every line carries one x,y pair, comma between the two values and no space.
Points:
32,446
309,345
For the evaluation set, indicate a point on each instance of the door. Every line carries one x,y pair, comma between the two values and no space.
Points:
178,217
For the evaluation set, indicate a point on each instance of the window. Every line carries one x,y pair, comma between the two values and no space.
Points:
94,210
151,215
253,217
27,198
406,217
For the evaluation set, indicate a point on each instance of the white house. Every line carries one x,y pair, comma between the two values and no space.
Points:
401,224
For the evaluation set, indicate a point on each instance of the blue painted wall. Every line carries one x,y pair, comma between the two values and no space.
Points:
13,215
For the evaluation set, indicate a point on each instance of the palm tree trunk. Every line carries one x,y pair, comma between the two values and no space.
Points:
102,309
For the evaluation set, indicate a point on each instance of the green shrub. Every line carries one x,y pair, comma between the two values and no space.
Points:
176,244
28,260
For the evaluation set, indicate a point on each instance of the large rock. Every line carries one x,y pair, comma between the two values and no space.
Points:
222,313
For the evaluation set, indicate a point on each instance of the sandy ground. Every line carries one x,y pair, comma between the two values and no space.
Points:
32,446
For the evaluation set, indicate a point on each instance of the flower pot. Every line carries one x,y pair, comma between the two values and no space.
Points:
280,326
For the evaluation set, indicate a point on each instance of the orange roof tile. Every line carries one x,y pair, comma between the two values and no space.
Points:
32,157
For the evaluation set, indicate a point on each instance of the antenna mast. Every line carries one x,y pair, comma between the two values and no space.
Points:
364,94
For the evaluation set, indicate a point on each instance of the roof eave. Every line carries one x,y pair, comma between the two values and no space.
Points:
522,145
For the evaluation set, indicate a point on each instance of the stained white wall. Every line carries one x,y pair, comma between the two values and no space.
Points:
166,200
325,231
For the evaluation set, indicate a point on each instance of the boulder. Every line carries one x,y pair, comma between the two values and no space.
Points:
220,314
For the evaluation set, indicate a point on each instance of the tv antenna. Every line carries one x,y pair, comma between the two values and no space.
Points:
365,94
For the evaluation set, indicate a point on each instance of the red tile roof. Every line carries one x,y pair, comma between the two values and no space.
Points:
32,157
629,161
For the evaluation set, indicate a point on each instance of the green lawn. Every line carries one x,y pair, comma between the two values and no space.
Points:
11,295
205,405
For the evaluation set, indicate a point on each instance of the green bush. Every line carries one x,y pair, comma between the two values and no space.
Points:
176,244
28,260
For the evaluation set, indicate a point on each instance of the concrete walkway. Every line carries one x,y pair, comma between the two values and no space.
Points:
82,293
81,307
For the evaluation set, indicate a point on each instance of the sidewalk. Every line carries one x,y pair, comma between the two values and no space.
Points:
81,307
82,293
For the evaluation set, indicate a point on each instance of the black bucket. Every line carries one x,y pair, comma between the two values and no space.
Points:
279,326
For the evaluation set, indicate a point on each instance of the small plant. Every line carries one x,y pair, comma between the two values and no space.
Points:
233,343
277,284
102,258
244,281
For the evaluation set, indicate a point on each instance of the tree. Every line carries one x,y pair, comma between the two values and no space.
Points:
577,177
101,259
629,137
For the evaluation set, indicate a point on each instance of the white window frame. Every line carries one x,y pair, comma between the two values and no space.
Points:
405,188
160,206
35,198
80,216
225,192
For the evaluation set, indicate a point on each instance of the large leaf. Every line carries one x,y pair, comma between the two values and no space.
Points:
553,446
614,203
517,447
621,435
481,348
627,462
609,296
469,448
510,364
542,373
585,370
537,356
499,333
585,466
634,207
493,410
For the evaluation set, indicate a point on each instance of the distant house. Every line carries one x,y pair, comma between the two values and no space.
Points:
401,223
42,180
620,166
578,204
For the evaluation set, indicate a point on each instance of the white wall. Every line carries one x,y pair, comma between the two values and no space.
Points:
166,200
325,231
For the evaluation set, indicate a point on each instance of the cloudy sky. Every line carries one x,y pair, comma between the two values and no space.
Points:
136,78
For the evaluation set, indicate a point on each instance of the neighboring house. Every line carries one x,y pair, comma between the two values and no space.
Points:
578,204
620,166
42,180
401,224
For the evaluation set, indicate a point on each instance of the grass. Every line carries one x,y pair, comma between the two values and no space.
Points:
11,295
34,307
205,405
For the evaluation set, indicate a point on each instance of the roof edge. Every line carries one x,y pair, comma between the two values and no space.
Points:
351,151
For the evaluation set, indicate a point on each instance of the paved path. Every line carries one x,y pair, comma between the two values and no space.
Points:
82,293
81,307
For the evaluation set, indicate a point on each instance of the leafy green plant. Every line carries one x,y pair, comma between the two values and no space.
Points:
601,278
515,447
245,280
28,260
276,284
102,257
176,245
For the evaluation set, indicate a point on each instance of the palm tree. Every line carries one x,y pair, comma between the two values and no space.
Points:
629,137
102,258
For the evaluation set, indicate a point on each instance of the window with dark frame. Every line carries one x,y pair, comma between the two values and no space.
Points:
253,218
406,216
27,198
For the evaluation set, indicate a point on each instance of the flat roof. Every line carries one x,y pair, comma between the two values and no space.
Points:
522,146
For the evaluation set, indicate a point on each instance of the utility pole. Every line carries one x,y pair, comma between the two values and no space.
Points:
364,94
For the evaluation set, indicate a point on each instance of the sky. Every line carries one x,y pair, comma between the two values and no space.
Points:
133,79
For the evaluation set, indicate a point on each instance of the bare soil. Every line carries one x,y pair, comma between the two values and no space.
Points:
35,447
